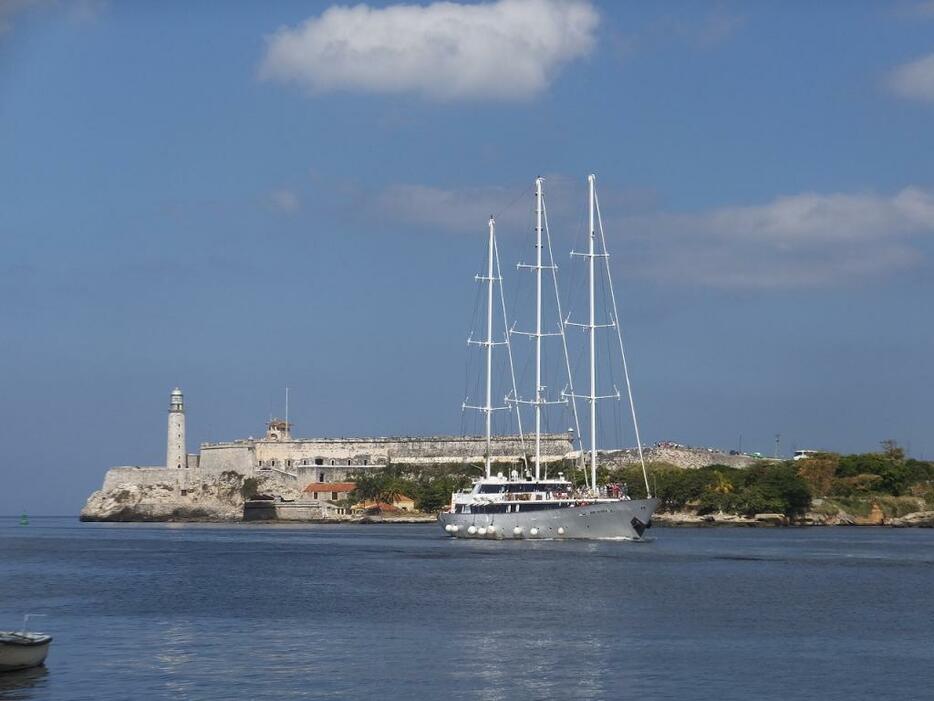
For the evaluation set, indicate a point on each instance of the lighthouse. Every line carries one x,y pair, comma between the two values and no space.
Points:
175,455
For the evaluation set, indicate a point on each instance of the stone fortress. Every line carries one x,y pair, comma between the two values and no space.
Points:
229,481
306,460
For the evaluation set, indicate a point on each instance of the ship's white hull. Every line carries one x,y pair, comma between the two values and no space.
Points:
623,519
23,655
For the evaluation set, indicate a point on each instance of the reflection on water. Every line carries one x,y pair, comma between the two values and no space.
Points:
24,684
207,612
173,647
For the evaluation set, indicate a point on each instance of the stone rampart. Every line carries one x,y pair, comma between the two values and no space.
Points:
228,457
305,510
143,476
352,453
300,458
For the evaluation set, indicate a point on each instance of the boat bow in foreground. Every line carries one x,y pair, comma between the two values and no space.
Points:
22,650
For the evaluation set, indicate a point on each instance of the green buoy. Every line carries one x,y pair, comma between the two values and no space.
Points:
24,520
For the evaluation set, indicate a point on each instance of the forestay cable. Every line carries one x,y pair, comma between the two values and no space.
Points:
622,351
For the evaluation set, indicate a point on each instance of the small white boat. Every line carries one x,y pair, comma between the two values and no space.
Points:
21,649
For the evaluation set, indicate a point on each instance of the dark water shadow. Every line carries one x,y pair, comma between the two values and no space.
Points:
23,680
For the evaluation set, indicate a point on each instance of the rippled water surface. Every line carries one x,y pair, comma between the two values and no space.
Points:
273,612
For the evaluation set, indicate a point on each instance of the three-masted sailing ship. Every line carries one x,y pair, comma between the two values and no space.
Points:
527,503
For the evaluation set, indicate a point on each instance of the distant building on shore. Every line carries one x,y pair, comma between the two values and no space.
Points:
335,460
321,460
329,491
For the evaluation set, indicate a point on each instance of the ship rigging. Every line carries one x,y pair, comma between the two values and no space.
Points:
531,504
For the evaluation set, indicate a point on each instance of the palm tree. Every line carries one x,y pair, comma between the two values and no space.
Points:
723,485
391,491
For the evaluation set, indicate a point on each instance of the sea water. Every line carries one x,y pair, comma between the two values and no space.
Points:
254,611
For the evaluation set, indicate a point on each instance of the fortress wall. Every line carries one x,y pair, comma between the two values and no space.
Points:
141,476
325,473
227,457
469,447
300,453
467,459
349,455
326,450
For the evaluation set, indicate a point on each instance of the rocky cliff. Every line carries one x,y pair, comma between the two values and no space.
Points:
213,497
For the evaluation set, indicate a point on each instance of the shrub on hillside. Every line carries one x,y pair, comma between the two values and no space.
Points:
819,472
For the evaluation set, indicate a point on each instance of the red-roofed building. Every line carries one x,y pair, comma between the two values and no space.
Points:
329,491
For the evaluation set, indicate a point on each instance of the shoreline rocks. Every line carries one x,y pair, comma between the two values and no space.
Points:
218,497
687,519
918,519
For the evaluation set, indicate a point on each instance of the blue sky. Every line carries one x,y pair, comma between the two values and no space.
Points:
236,197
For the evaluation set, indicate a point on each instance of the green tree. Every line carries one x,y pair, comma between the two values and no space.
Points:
434,495
368,486
892,451
780,488
722,485
819,472
391,490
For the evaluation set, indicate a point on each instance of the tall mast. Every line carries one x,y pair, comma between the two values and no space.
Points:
593,338
493,275
538,327
488,410
540,400
592,327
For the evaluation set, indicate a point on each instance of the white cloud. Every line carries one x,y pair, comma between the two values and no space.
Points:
914,80
284,201
466,210
802,240
812,218
460,211
795,241
509,49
